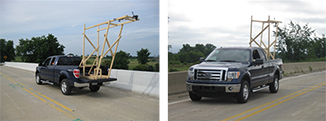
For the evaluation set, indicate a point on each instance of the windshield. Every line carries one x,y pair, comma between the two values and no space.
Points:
69,61
228,55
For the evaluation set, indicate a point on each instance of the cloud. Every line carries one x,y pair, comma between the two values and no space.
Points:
65,20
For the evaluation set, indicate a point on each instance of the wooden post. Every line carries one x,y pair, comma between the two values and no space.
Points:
250,31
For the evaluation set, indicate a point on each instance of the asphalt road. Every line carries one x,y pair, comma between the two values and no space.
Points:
23,99
299,98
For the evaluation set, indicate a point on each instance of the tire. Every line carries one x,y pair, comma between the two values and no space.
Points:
94,88
273,87
243,95
38,79
65,88
194,97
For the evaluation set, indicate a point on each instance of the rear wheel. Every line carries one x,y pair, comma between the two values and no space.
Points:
38,79
273,87
194,97
94,88
243,95
65,88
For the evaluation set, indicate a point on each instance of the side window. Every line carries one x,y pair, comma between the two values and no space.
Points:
46,62
52,62
262,54
255,55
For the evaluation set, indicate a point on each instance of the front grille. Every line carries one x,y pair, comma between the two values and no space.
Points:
210,75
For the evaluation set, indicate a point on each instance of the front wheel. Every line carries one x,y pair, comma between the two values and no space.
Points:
65,88
243,95
38,79
194,97
273,87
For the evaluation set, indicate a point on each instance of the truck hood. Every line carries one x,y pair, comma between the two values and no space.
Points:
221,65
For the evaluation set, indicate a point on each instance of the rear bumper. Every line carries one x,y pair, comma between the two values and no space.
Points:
201,88
87,82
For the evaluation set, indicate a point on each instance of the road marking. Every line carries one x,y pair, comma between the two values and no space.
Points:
179,101
53,106
296,94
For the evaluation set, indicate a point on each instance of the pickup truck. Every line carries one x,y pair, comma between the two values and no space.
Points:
234,71
65,71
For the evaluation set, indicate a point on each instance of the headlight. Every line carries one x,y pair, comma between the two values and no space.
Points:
233,75
191,72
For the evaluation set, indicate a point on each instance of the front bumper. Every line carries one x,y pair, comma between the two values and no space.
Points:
227,88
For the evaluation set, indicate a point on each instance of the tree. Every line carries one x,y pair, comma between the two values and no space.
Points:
169,47
3,45
10,50
121,60
7,52
297,43
37,49
143,56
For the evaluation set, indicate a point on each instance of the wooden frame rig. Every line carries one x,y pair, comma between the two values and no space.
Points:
94,70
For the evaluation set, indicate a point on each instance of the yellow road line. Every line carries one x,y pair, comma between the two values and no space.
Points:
295,93
44,96
53,106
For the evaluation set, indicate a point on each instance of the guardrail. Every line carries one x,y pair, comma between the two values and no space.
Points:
177,80
146,83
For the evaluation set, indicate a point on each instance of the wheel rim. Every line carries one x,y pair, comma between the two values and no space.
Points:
64,87
276,84
37,79
245,92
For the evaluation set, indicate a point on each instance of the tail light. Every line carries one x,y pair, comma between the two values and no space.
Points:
76,73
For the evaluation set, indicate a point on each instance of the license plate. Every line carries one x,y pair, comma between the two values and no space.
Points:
94,83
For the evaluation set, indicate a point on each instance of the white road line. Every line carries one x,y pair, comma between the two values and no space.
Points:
171,103
179,101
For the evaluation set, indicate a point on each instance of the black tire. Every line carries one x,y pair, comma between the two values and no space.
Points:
243,95
94,88
273,87
65,88
38,79
194,97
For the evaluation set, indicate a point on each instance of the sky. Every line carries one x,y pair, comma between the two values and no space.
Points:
24,19
226,23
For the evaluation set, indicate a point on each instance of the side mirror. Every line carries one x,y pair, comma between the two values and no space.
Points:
40,64
201,59
257,62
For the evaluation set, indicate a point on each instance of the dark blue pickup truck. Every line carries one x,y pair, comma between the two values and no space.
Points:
234,71
65,71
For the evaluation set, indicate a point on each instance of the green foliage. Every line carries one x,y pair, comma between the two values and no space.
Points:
121,61
7,52
37,49
144,67
172,70
310,68
296,43
143,56
157,67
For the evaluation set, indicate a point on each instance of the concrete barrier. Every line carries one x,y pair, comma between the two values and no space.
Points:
177,80
146,83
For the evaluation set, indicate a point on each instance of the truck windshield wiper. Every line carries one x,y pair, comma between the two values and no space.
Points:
228,61
210,60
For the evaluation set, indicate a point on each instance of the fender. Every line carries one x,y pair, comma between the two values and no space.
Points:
62,74
246,74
